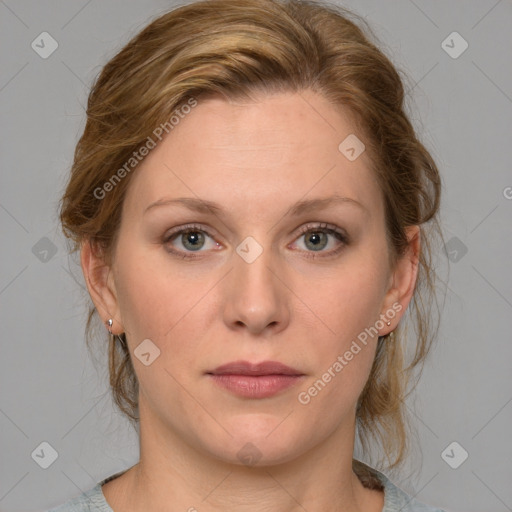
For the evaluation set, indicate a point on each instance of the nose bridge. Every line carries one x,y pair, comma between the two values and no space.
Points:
255,296
254,273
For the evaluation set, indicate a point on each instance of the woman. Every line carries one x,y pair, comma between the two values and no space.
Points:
253,212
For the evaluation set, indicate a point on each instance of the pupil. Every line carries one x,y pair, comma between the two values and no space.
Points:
316,239
193,240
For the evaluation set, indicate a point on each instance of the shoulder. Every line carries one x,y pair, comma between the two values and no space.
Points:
396,499
92,500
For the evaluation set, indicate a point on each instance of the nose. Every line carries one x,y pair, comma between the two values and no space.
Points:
256,300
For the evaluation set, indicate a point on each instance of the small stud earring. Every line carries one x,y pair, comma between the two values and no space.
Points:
388,323
109,323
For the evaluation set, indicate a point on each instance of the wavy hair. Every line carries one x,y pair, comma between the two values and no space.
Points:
236,48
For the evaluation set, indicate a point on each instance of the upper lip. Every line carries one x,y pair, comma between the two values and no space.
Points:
247,368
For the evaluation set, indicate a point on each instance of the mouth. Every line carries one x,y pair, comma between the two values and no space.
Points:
251,380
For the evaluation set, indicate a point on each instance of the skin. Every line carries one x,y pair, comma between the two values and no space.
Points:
255,159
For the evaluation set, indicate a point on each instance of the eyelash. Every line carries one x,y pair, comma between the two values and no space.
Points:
309,228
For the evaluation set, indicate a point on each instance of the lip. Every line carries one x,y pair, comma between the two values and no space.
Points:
256,369
255,380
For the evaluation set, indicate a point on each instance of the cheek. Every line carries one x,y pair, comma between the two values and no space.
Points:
346,301
346,309
161,304
148,301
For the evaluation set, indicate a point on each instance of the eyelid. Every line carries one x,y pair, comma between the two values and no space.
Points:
187,227
175,232
332,229
324,226
303,229
343,239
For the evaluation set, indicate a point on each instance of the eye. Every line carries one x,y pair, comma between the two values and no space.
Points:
189,239
321,236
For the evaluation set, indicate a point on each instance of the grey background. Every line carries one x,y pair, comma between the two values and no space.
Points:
52,391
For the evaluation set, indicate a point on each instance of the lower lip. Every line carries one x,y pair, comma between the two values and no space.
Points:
251,386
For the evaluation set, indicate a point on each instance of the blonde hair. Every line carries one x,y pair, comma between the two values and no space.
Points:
235,48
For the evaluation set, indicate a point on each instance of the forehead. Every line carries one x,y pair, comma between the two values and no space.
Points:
272,151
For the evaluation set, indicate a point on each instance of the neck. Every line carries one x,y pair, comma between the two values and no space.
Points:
171,472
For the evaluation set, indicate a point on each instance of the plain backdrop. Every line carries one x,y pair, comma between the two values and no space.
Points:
52,392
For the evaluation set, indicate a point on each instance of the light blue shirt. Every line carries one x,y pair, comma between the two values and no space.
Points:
395,499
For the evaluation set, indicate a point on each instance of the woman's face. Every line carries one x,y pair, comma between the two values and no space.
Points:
278,268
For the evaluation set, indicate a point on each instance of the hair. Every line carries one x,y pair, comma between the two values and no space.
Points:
236,48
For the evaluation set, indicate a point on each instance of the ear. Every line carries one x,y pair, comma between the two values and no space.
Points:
100,283
402,282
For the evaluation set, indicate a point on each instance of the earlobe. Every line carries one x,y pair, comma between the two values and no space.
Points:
403,279
100,284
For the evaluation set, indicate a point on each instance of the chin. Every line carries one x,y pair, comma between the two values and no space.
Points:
260,440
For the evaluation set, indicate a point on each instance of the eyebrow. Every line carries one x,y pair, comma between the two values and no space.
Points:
301,207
